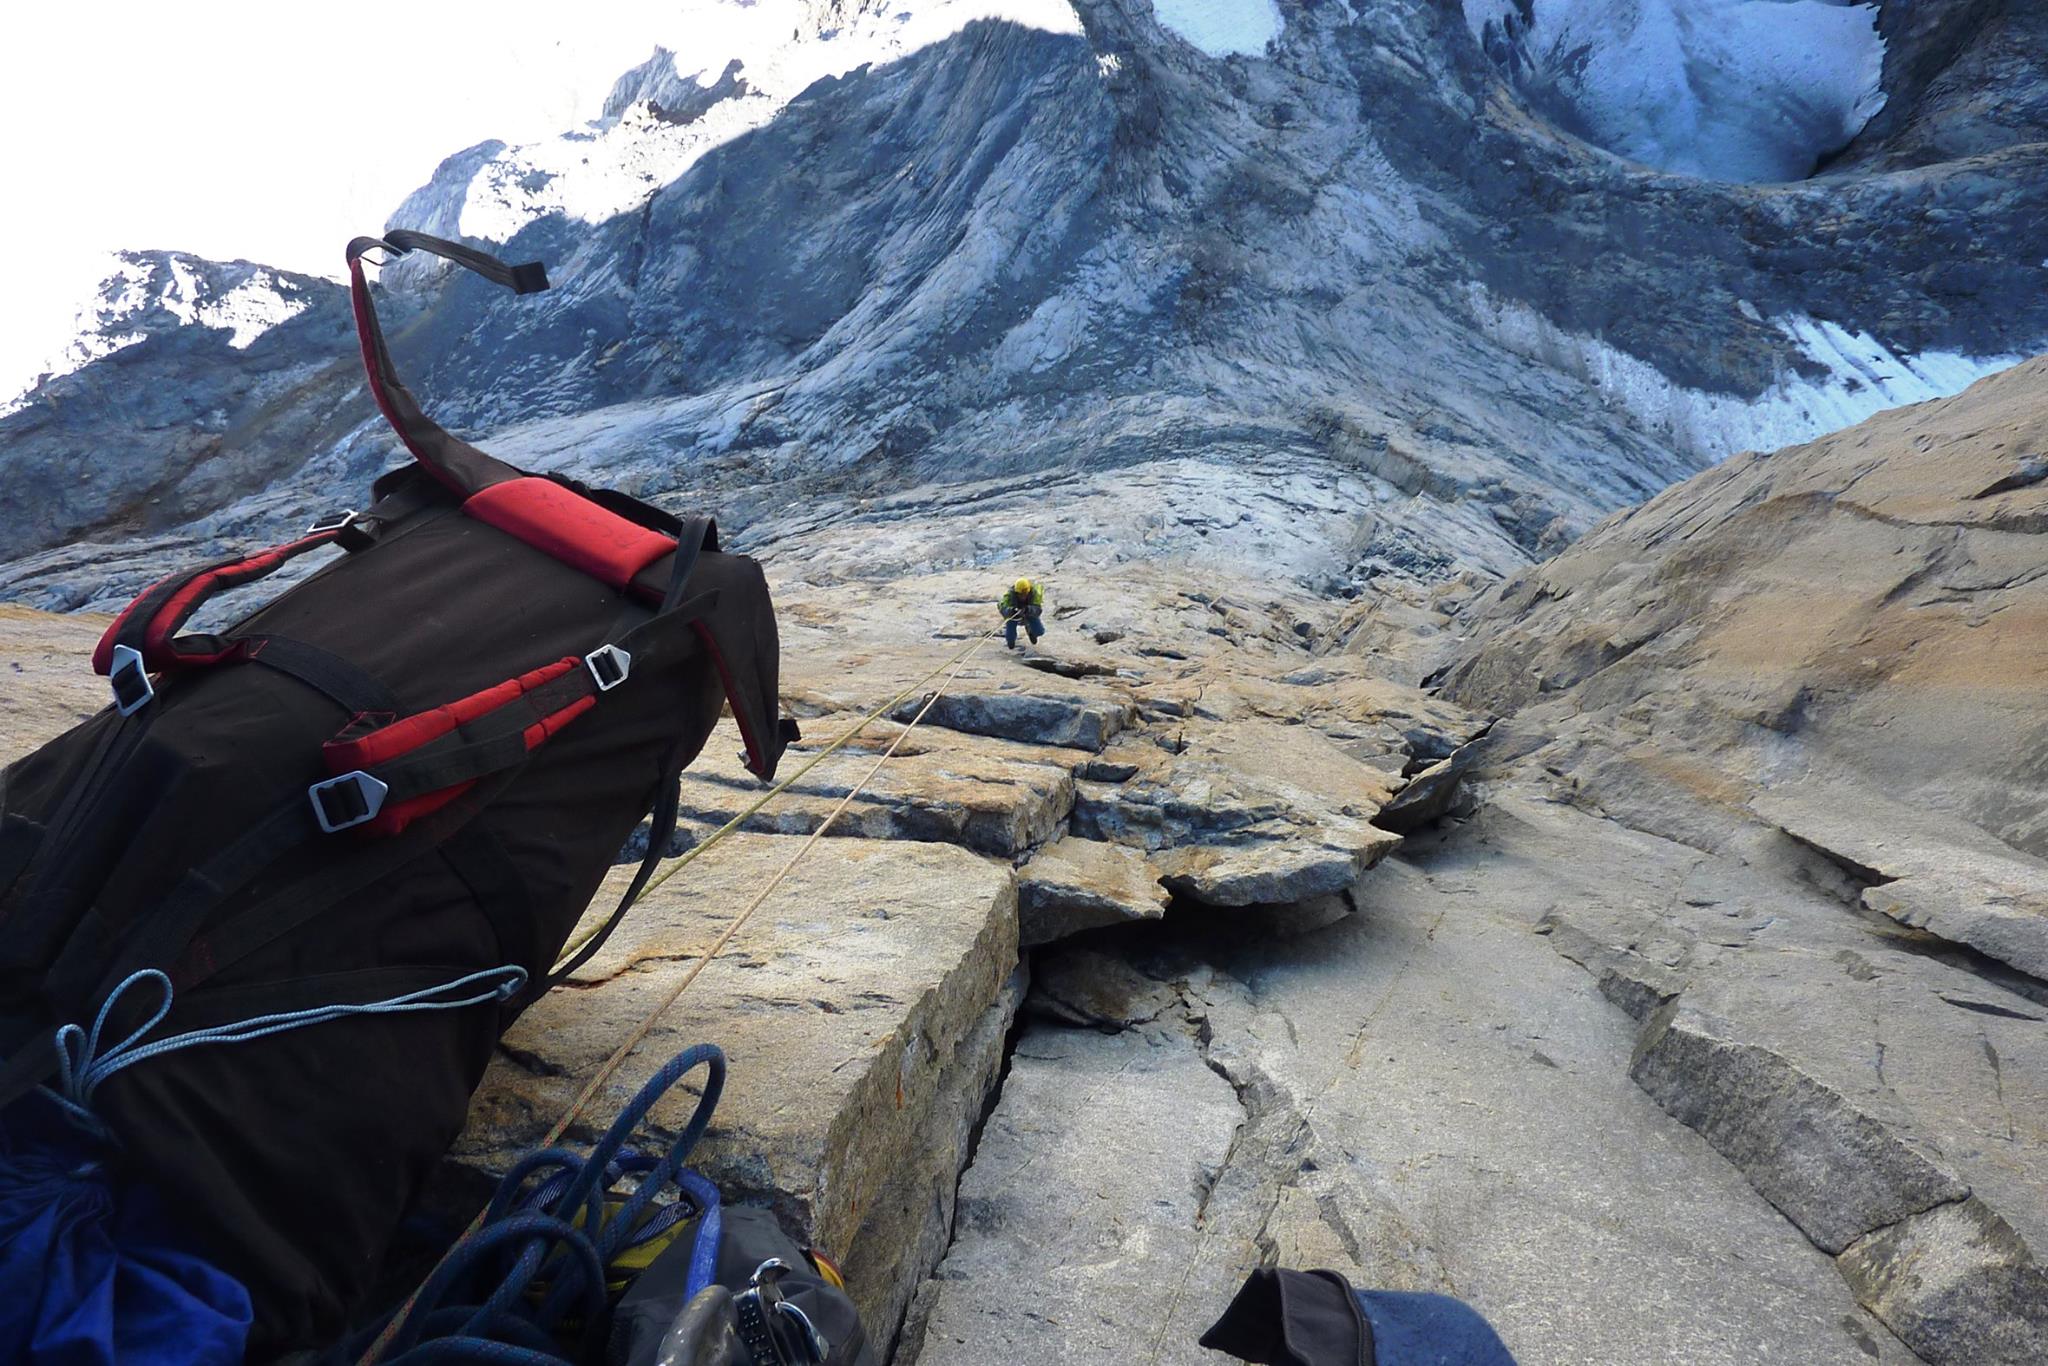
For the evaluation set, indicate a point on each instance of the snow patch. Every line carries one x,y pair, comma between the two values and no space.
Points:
1746,90
138,293
614,164
1222,28
1865,377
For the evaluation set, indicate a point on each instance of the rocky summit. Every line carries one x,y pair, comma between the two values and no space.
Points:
1532,788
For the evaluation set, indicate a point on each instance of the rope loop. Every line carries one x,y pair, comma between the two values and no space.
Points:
537,1262
82,1067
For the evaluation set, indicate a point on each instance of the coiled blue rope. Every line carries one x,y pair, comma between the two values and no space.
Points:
505,1292
82,1068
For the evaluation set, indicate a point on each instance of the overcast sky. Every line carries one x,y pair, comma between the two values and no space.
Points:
272,131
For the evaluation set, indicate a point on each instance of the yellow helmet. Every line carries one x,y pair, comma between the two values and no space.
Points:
1021,587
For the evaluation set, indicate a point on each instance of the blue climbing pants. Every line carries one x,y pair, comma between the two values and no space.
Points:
1032,626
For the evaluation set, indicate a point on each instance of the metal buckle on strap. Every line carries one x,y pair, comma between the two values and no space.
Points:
331,521
351,799
609,665
129,680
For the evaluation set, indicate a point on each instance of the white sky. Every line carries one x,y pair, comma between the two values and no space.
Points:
271,131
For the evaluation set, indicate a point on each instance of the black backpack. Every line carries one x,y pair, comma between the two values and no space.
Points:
377,805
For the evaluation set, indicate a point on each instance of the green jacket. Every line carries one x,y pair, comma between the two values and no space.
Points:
1011,604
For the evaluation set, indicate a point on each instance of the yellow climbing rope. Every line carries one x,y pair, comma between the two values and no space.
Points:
640,1032
684,859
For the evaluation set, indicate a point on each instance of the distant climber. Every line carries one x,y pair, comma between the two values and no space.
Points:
1025,602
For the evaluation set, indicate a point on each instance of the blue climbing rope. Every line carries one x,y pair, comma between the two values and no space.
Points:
535,1269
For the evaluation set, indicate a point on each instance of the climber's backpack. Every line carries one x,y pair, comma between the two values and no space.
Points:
377,806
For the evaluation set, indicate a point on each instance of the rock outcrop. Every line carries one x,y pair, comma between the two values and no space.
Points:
1868,611
1817,674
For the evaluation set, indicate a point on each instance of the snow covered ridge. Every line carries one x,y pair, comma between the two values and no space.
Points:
735,66
1865,377
1748,90
146,291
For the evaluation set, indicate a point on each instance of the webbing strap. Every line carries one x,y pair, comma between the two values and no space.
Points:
661,828
46,874
530,278
695,534
491,743
353,689
450,459
309,896
76,976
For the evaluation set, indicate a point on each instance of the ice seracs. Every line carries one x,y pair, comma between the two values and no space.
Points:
1751,90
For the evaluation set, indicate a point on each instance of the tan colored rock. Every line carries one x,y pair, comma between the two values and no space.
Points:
1078,884
1246,812
1871,607
862,1010
47,684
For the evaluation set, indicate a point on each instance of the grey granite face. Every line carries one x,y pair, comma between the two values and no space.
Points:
1015,251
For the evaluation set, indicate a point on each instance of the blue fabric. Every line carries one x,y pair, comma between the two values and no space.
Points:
92,1272
710,1232
1032,624
1413,1329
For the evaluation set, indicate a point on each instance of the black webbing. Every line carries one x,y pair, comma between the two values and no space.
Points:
661,827
342,682
292,906
488,744
43,900
457,464
696,532
529,278
74,981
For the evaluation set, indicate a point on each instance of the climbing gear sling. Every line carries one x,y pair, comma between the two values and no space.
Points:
341,842
536,1279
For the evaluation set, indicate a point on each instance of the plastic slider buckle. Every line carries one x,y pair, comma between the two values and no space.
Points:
129,680
351,799
331,521
609,665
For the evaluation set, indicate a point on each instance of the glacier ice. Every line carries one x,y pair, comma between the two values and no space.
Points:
1859,376
1221,27
1743,90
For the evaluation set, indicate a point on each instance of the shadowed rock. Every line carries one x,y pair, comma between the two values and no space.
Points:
1079,884
1926,869
1836,1171
1074,720
1957,1285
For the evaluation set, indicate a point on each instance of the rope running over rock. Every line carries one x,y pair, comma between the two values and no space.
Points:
951,668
